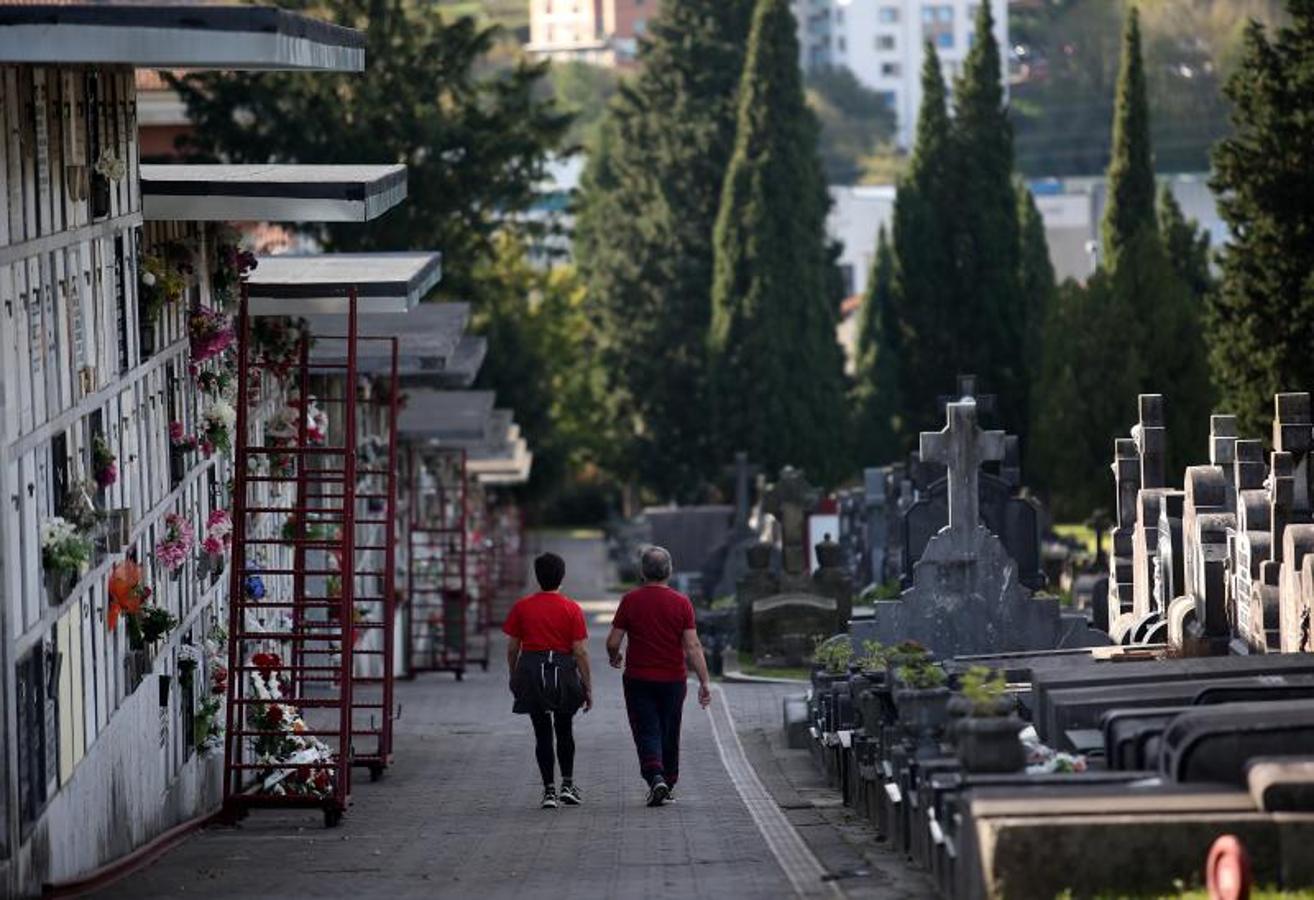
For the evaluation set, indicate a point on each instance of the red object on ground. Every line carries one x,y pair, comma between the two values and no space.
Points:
654,618
546,621
1227,870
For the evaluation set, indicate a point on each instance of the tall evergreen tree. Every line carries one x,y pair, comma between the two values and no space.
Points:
1261,321
1131,192
926,317
778,366
644,233
876,389
1186,245
1036,290
987,250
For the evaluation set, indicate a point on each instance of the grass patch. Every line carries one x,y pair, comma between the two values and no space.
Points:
748,667
1082,534
574,534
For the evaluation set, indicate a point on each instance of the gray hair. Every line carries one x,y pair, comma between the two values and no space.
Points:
655,564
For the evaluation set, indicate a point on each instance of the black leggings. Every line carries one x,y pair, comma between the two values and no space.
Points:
544,725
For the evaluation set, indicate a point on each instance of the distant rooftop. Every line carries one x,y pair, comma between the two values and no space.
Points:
177,37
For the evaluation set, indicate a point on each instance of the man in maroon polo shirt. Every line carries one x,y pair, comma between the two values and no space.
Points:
658,624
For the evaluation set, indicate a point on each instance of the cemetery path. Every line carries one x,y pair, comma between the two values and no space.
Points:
457,814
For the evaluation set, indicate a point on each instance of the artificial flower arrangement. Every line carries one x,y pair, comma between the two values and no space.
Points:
156,622
173,549
164,277
128,595
216,427
216,381
209,333
296,762
277,343
218,534
179,439
64,550
104,464
109,165
232,263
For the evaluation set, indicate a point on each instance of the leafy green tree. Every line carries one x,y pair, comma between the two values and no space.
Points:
583,90
1130,208
643,236
876,391
927,320
778,368
990,300
537,326
1261,320
855,122
475,145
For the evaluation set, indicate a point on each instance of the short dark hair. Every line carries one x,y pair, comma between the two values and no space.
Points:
550,570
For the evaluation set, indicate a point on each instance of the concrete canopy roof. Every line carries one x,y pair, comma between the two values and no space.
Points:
270,193
447,418
190,37
427,337
303,285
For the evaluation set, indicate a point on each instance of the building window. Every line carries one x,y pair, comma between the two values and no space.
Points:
889,98
890,70
884,42
938,25
888,15
640,26
840,43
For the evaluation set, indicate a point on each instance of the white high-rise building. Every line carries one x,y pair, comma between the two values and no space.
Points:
882,42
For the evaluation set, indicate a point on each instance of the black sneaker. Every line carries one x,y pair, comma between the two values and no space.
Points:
549,798
570,795
658,793
670,793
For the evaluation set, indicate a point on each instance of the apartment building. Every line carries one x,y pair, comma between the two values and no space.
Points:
882,42
602,32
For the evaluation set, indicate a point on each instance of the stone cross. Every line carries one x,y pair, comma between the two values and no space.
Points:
962,447
967,387
1151,440
743,473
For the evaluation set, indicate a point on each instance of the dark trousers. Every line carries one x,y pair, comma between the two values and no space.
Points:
654,708
547,724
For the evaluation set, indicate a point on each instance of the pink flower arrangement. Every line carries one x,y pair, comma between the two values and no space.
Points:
210,333
181,439
104,463
218,533
179,538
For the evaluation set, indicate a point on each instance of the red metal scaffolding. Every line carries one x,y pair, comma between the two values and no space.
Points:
289,699
374,573
437,560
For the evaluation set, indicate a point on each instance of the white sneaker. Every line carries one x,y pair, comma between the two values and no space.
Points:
658,793
549,798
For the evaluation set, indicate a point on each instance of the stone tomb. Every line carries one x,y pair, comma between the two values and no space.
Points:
966,596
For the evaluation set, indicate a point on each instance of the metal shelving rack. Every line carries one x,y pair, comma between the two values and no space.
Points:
437,563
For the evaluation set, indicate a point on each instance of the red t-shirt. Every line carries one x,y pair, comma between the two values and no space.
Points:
546,621
655,617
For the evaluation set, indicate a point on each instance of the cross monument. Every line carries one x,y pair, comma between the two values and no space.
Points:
962,447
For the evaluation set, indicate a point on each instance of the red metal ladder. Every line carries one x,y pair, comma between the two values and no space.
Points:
289,737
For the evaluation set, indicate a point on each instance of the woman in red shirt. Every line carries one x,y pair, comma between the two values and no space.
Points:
547,654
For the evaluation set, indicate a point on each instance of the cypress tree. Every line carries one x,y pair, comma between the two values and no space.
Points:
1186,245
876,391
1261,319
1036,290
643,237
925,302
778,366
1131,192
990,299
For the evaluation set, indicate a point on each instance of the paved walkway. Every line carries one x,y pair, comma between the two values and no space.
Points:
457,814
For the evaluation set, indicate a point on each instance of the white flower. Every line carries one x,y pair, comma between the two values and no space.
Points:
55,531
220,412
148,279
189,653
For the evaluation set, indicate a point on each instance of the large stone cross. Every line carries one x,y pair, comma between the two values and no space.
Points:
962,447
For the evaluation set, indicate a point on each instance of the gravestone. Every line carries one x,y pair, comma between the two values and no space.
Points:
783,612
690,533
1127,484
965,597
875,499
